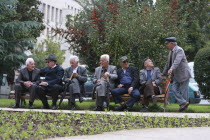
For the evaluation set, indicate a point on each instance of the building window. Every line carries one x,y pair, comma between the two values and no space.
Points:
56,15
48,14
43,10
52,14
60,16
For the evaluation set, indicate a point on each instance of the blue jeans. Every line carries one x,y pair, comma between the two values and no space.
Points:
117,92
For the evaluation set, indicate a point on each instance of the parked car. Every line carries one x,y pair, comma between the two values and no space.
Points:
194,93
89,86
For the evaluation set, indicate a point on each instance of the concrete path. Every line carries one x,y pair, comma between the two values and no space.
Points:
167,114
195,133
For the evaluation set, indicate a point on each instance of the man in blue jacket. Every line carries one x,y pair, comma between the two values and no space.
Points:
127,82
52,84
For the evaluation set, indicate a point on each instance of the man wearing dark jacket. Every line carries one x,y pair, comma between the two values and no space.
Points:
128,82
27,80
52,84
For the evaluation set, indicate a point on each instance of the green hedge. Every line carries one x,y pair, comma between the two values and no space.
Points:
202,70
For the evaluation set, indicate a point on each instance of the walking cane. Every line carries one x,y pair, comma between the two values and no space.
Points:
65,89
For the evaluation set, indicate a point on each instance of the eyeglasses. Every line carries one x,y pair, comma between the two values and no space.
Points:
125,61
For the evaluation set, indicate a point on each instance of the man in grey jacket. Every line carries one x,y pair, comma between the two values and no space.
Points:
104,80
150,79
28,80
78,76
177,66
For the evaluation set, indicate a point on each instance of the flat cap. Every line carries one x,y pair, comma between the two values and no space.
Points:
51,57
123,58
170,39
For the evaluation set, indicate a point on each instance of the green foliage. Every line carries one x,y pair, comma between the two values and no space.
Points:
132,28
18,32
15,125
45,48
202,70
198,24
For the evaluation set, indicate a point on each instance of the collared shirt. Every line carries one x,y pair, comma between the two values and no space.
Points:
103,70
126,79
54,66
75,70
124,70
30,75
149,78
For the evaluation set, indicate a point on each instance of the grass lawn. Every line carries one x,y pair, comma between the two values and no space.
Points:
90,104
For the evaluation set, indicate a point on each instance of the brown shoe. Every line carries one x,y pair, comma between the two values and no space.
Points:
183,106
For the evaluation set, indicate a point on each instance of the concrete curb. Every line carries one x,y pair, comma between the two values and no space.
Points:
179,115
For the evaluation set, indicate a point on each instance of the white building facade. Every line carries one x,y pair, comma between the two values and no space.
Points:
55,12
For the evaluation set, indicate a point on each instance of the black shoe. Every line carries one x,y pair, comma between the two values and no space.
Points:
73,107
16,106
81,99
121,108
183,107
98,108
54,107
31,107
144,109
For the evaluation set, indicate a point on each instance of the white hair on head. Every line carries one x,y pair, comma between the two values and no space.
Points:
106,56
75,58
28,60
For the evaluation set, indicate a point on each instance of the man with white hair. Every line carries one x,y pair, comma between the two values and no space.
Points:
78,76
177,66
104,80
27,81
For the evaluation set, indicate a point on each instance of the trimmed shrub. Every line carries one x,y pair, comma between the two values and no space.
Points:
202,71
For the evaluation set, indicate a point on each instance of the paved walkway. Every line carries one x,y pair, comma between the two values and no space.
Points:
195,133
152,114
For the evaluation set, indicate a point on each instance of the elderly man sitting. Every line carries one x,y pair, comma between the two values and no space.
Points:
27,81
78,76
52,84
127,82
150,79
104,81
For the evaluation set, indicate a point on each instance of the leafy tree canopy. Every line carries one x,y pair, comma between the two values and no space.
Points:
45,48
18,32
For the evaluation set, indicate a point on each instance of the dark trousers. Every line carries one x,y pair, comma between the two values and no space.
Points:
148,90
117,92
55,90
19,89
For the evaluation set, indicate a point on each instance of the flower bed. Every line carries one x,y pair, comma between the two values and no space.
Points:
39,125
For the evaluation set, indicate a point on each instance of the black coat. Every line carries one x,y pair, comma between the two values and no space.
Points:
134,74
52,76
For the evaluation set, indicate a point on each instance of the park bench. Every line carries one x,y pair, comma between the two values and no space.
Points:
162,98
26,95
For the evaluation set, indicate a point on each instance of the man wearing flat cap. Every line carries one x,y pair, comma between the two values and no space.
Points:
127,82
177,66
104,80
150,79
52,84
